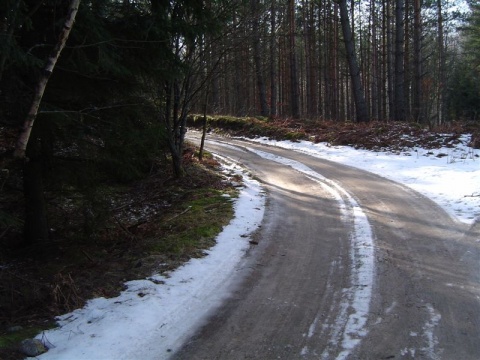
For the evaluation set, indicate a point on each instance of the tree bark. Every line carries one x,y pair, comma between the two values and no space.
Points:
376,73
399,61
294,91
441,64
273,72
390,60
176,106
24,137
406,62
262,93
204,128
417,63
311,60
357,87
36,224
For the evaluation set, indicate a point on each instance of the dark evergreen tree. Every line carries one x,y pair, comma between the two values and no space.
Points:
464,85
99,115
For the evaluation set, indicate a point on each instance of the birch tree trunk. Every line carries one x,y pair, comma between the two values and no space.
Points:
22,141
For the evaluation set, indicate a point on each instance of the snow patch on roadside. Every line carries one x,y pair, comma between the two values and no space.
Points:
423,170
358,296
153,317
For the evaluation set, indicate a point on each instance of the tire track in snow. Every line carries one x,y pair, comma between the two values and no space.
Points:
350,325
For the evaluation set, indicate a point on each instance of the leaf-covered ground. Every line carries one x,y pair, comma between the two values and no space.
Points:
375,135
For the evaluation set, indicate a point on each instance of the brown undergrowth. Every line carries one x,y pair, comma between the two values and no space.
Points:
374,135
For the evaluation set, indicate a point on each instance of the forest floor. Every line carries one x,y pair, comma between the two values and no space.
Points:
125,232
148,225
375,135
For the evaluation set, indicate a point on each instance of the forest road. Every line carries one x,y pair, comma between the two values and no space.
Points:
348,265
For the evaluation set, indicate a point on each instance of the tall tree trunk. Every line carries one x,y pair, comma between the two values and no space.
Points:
273,72
36,225
283,77
326,60
311,58
417,63
357,87
262,93
24,137
173,123
390,60
204,127
238,91
321,59
441,64
294,91
406,62
376,71
331,62
384,79
213,62
399,61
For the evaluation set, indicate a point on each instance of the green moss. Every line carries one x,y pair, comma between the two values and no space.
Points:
196,225
293,136
11,339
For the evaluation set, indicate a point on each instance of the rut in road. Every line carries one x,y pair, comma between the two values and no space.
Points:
309,293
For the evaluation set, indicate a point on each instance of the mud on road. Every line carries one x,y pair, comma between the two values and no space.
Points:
348,265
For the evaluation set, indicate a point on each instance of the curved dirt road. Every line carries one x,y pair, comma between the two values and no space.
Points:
348,265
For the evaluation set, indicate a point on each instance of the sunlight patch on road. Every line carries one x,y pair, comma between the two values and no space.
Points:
334,189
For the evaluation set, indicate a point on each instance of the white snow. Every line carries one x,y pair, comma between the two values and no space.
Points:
428,334
149,320
453,181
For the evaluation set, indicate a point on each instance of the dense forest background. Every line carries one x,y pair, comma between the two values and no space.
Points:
114,106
